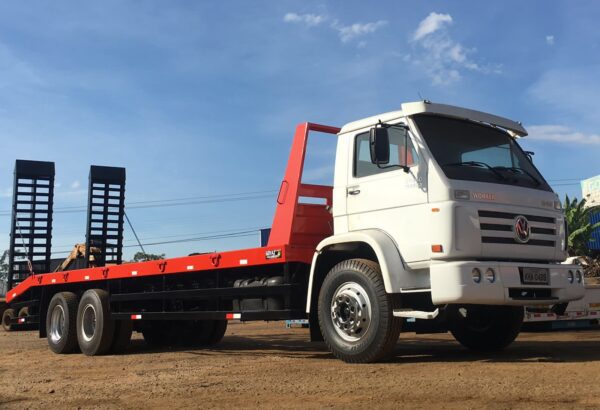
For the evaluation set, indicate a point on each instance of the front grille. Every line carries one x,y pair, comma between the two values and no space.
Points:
498,227
511,241
507,215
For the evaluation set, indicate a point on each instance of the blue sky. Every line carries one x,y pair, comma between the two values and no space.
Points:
200,99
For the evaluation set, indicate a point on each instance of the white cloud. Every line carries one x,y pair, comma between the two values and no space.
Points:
309,19
439,55
75,184
560,133
431,24
346,33
550,40
355,30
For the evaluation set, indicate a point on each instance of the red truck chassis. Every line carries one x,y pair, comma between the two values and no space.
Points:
207,286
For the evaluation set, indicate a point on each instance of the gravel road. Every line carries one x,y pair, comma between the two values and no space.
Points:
266,365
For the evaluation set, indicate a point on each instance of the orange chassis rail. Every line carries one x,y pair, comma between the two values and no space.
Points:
297,229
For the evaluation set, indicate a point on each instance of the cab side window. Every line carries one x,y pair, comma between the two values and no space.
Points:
362,154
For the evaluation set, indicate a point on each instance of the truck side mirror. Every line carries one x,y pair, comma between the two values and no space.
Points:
529,155
379,142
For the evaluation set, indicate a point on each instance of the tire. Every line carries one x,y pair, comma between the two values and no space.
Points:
24,311
356,314
202,333
61,323
485,328
122,336
7,316
95,328
158,333
220,327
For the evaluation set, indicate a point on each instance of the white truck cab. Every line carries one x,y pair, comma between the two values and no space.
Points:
453,210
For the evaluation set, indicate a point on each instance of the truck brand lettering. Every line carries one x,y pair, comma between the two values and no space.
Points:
486,196
273,254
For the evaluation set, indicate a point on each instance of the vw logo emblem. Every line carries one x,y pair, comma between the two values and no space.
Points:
522,229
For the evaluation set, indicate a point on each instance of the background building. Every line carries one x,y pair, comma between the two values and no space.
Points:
590,190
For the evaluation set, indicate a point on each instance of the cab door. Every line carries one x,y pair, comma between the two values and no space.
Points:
388,198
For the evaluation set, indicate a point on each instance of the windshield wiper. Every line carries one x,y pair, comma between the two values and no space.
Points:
476,164
522,171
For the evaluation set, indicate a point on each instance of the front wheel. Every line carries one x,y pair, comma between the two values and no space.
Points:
485,328
356,314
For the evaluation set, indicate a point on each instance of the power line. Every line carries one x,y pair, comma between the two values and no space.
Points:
204,238
244,196
254,228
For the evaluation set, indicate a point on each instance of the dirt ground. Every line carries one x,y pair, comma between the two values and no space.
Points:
266,365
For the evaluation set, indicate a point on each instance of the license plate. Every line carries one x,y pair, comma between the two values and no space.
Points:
535,276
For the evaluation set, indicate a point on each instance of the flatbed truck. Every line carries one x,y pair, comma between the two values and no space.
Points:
436,213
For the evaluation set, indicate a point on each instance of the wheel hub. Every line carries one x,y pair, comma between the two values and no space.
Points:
88,323
57,323
351,311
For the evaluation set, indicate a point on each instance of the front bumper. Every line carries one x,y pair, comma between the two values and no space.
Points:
452,282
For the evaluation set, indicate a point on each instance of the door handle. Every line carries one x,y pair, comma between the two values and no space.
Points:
353,191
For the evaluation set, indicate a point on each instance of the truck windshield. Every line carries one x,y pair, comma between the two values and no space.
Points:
470,151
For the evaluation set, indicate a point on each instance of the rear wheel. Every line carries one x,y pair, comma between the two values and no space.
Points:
95,328
24,312
203,332
218,332
356,314
122,336
61,320
158,333
7,316
485,328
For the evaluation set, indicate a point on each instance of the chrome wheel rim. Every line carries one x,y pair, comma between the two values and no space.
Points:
351,311
88,322
57,324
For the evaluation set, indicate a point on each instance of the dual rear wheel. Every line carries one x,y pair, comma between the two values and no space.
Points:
186,333
85,324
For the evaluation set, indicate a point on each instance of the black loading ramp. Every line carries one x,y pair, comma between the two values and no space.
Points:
31,225
106,211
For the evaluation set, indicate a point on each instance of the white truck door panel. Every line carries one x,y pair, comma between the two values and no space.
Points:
389,199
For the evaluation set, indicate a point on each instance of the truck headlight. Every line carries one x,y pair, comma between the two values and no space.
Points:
570,276
490,275
476,274
578,276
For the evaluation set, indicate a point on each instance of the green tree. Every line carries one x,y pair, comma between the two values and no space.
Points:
580,227
143,257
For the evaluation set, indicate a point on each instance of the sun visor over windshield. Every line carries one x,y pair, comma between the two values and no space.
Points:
422,107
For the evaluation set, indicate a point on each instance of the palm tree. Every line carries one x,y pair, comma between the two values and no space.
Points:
580,229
